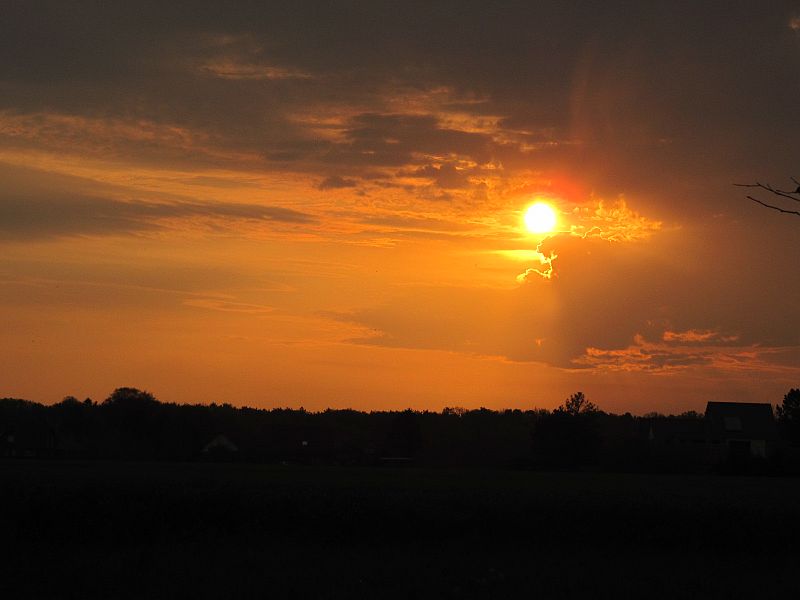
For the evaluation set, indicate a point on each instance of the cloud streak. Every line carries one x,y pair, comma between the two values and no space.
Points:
69,214
689,350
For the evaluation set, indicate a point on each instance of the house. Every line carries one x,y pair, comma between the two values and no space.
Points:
732,433
220,446
741,430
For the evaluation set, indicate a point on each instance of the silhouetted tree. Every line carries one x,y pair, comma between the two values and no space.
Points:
126,397
569,437
789,415
133,424
691,414
405,434
71,413
132,419
454,411
781,196
577,404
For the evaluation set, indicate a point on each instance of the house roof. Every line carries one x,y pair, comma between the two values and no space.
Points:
747,420
220,442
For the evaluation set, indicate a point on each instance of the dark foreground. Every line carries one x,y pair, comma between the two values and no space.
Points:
158,530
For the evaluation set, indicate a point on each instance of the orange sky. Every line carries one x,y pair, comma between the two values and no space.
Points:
323,207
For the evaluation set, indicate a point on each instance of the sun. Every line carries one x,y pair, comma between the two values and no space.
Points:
540,218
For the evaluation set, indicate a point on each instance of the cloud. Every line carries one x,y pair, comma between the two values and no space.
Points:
544,259
384,139
607,221
133,141
37,204
228,306
219,182
227,69
239,76
698,336
643,356
336,182
226,89
419,223
72,214
446,175
606,293
666,358
613,221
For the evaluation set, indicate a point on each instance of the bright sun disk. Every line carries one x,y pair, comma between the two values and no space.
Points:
540,218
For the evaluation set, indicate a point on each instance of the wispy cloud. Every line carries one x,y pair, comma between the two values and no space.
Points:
612,222
67,214
230,69
698,336
228,306
686,350
336,182
546,260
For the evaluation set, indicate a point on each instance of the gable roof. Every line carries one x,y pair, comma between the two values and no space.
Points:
745,420
220,442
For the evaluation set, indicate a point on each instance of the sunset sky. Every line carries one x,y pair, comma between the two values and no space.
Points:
322,204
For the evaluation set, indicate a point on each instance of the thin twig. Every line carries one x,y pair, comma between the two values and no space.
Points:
771,190
778,208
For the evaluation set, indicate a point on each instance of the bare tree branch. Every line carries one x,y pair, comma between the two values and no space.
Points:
790,195
778,208
772,190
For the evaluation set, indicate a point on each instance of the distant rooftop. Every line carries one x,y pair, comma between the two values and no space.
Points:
752,420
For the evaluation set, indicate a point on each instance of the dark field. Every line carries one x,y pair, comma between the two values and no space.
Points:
166,530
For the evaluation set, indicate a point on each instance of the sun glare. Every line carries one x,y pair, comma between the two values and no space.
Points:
540,218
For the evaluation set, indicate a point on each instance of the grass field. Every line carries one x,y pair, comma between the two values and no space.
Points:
165,530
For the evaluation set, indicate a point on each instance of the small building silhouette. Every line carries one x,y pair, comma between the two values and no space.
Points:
742,430
730,433
220,446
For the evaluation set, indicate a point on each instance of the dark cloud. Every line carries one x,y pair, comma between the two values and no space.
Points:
71,214
598,85
654,357
641,356
35,204
336,182
445,176
392,139
219,182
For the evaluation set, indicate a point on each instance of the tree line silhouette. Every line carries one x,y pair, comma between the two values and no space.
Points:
132,424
